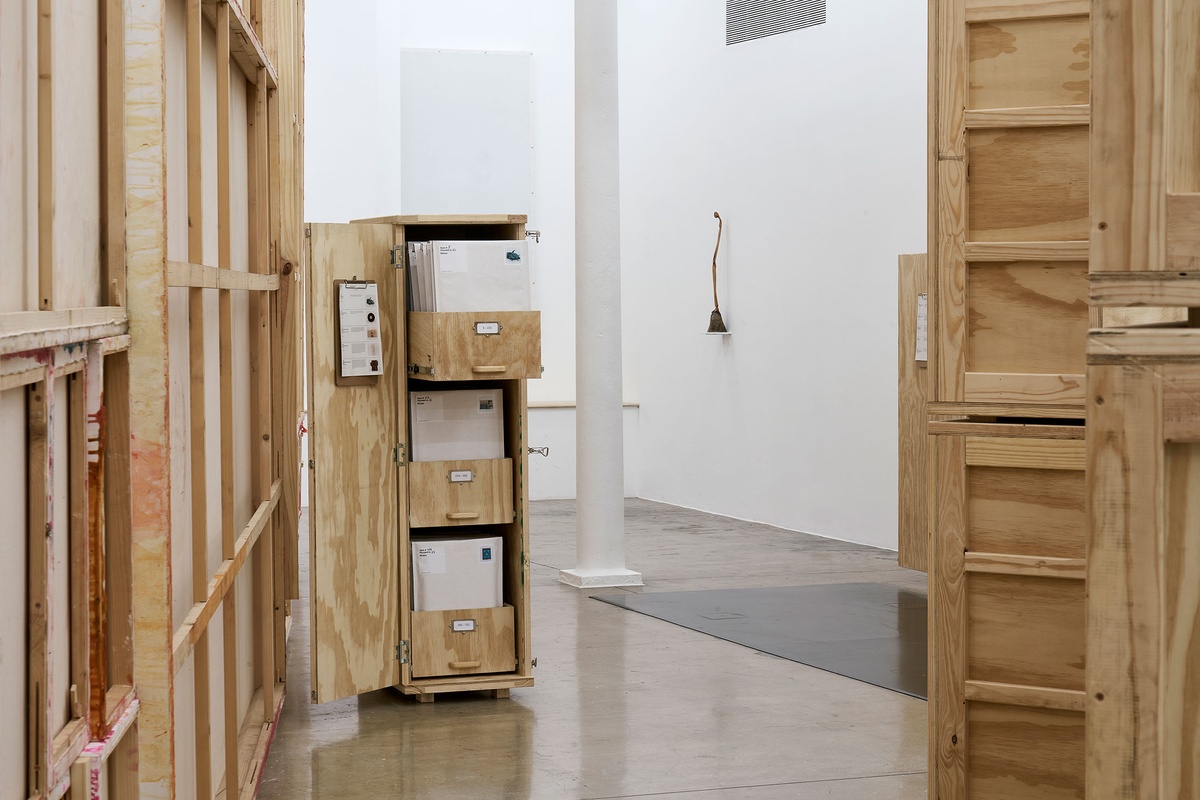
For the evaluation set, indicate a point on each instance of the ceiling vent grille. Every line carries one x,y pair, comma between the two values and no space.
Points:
754,19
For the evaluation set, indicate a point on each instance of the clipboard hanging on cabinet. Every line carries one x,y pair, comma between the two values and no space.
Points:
359,334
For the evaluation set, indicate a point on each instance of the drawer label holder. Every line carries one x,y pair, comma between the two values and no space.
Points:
462,476
487,328
462,625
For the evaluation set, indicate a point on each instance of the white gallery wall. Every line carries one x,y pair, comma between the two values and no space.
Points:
810,144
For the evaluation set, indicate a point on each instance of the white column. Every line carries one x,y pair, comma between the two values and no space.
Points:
600,503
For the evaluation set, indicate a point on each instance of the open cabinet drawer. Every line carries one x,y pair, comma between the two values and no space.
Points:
463,642
471,346
449,493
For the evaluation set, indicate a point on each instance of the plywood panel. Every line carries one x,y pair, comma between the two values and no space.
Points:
1027,63
486,499
1028,184
1027,317
13,558
1026,630
440,650
1025,753
1036,512
18,76
76,145
353,528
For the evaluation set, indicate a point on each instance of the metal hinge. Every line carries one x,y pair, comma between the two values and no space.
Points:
312,464
398,257
398,455
402,651
308,231
417,369
314,695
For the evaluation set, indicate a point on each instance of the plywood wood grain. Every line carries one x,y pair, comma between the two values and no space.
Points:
18,150
439,650
1026,511
1025,754
1026,630
13,588
1029,63
353,529
1027,317
486,499
448,344
1029,184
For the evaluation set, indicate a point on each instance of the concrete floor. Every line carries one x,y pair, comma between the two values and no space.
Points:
627,706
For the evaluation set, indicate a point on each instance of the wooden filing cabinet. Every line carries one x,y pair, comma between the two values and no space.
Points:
369,501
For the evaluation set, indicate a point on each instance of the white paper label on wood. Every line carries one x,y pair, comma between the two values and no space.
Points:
451,257
463,625
462,476
427,408
487,328
922,353
431,560
358,319
487,403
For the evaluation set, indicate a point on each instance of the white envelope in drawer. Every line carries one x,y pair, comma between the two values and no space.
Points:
458,572
457,425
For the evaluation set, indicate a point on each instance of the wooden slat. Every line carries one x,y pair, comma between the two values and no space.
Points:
199,276
1031,410
45,151
67,745
1006,387
993,11
1027,696
1181,408
245,47
1128,156
1039,566
952,333
949,618
41,507
1026,251
196,621
149,434
1006,430
913,391
262,450
1125,480
1153,289
112,148
186,275
1036,117
450,219
986,451
1145,345
22,331
224,20
952,82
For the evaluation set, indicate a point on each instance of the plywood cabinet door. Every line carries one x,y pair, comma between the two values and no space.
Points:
355,476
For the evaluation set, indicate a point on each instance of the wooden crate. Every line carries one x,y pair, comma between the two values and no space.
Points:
1007,599
1144,563
1009,206
465,346
456,493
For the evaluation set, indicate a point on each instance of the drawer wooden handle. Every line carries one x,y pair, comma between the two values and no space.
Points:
464,664
478,370
457,515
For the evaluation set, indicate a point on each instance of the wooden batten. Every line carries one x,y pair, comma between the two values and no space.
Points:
913,393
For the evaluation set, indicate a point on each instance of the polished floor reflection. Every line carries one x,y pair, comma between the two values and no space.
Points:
627,706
